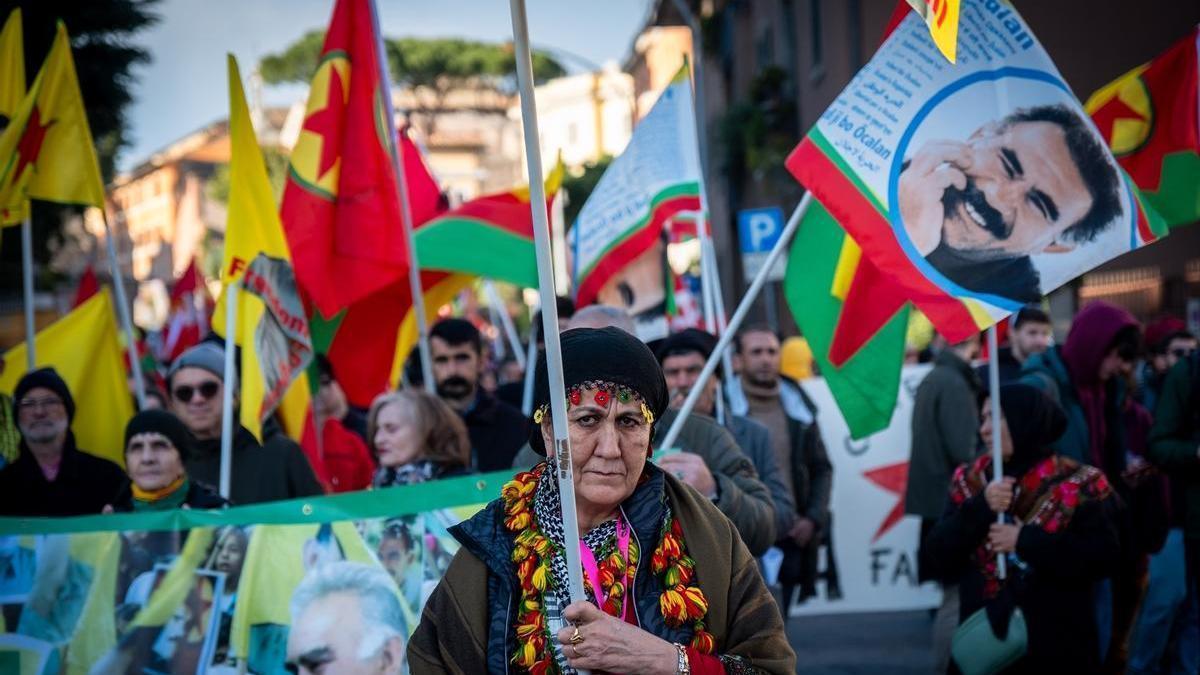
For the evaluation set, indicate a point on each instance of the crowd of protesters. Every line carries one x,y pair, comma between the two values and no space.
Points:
1097,516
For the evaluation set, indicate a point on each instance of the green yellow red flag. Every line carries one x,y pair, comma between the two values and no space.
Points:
84,348
272,327
822,267
46,152
1150,117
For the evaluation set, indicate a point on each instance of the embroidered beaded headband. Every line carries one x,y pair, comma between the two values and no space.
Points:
603,395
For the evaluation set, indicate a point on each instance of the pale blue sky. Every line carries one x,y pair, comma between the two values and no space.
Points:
184,87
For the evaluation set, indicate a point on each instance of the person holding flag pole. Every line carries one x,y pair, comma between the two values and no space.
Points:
522,562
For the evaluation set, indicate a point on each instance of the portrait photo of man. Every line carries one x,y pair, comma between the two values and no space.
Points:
1037,181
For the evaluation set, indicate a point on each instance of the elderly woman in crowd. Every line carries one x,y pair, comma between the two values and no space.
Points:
157,445
416,437
1060,536
670,586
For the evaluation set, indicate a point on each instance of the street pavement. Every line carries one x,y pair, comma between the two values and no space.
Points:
897,643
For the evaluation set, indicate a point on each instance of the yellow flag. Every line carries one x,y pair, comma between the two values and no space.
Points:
12,91
84,348
271,325
942,18
277,559
47,151
12,66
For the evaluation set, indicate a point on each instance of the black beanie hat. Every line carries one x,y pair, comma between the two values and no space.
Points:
161,422
605,355
46,378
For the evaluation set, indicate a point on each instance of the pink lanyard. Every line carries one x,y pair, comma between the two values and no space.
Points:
593,571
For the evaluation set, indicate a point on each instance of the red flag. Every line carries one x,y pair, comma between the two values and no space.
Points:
190,316
361,341
88,286
340,206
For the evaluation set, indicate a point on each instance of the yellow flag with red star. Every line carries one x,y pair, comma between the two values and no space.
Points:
46,152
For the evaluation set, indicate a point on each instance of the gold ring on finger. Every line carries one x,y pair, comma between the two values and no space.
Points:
576,638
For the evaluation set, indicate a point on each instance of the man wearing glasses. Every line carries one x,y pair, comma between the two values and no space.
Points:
275,469
52,477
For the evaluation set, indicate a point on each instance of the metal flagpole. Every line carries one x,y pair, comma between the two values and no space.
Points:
139,385
997,454
719,302
510,331
530,363
735,321
541,232
231,307
27,279
414,266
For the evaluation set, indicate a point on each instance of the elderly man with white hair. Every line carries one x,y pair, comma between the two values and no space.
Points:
346,619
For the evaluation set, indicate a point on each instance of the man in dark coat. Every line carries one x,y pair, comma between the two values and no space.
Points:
766,396
945,431
52,477
497,430
273,470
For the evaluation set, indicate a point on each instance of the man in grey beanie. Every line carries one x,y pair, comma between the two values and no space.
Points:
275,469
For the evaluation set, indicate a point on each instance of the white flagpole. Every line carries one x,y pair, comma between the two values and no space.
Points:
414,265
27,279
541,231
530,366
510,331
735,321
994,403
135,366
231,307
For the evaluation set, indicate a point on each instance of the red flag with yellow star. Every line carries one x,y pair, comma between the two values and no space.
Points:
46,152
1150,117
340,206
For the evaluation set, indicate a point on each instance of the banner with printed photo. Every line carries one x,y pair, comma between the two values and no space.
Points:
977,186
223,591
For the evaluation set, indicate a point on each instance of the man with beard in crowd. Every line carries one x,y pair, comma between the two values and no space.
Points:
496,429
764,395
52,477
1037,181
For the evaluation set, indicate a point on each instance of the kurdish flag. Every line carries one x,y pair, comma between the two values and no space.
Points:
272,328
657,176
46,152
824,265
12,90
340,204
491,236
1150,117
974,188
363,339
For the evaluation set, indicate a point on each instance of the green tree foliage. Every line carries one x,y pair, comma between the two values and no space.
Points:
102,33
437,63
578,188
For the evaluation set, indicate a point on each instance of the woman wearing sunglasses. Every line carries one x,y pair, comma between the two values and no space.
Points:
275,469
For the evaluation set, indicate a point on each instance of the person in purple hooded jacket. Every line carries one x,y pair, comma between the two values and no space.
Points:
1087,375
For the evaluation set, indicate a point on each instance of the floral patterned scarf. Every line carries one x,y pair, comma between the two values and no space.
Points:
1046,496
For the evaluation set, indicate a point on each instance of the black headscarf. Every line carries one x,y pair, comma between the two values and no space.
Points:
1034,422
604,355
